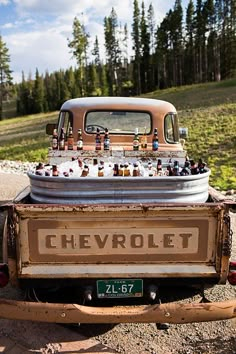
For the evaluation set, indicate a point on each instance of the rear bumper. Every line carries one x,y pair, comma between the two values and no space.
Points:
158,313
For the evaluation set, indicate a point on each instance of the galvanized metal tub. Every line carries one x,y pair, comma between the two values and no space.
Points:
93,190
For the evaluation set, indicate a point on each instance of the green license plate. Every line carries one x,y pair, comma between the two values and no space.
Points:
119,288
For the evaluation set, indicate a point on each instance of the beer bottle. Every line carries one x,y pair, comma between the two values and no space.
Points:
202,166
136,140
150,169
155,142
80,140
126,170
159,167
80,163
116,170
55,172
100,171
186,169
47,173
176,169
40,166
194,168
98,142
85,171
70,139
54,140
169,171
135,170
144,139
121,170
61,142
106,142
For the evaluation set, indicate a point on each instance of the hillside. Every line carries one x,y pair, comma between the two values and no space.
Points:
207,110
209,113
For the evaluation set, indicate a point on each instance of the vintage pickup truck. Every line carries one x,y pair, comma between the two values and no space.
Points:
117,247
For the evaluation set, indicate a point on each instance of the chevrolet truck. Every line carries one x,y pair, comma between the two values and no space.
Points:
117,247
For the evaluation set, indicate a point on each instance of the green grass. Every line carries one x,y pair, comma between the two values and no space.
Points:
24,138
212,136
207,110
198,96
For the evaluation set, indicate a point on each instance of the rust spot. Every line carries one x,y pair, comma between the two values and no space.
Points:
145,208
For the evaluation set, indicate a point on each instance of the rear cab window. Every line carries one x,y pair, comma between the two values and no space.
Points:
118,122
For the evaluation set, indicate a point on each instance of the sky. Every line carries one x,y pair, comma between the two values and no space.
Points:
36,32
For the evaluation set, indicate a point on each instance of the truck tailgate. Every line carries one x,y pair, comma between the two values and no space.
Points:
120,241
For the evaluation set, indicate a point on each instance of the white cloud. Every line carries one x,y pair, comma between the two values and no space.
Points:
4,2
42,27
55,8
8,25
42,50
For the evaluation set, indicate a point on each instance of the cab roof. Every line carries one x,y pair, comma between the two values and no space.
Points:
132,103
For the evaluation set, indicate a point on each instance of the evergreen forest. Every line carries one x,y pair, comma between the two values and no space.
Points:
187,47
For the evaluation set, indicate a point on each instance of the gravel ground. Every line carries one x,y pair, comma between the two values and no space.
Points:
205,338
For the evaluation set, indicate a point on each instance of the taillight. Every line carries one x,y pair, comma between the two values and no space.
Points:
4,275
232,273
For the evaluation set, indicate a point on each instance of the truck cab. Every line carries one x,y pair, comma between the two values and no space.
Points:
121,116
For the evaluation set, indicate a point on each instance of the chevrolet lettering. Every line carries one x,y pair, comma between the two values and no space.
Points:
122,242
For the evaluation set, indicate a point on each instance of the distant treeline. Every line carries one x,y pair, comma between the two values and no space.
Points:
199,48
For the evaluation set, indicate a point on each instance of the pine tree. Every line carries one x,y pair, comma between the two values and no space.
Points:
162,47
200,41
98,64
232,38
176,37
23,96
189,72
79,46
70,83
113,52
145,52
136,46
151,30
93,82
5,75
38,94
104,83
229,34
211,40
96,52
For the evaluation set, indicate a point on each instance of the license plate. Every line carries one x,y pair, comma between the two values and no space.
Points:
116,288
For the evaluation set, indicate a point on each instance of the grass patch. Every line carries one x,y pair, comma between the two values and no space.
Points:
212,137
24,138
198,96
